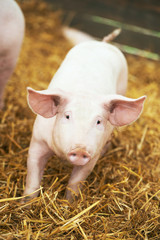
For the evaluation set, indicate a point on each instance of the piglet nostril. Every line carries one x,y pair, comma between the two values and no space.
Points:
79,156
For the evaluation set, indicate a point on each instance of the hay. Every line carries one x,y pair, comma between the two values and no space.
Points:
120,199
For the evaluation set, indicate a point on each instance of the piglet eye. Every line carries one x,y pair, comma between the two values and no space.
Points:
99,123
67,115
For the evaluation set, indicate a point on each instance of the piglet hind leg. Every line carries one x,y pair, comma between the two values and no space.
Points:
78,175
37,159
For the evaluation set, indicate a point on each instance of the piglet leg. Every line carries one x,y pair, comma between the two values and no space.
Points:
79,174
37,159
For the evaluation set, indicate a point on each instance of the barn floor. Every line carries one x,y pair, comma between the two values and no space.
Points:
121,198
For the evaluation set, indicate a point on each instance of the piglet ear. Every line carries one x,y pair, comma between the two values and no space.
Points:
123,110
45,102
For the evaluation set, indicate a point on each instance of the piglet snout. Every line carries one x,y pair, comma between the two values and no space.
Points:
79,156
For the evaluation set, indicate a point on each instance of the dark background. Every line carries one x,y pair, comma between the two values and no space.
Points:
127,14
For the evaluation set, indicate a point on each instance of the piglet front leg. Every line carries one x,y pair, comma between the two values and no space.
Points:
37,159
79,174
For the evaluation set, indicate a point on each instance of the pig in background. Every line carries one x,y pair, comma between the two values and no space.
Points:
78,112
11,35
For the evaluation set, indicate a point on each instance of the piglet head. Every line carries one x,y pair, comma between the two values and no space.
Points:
83,122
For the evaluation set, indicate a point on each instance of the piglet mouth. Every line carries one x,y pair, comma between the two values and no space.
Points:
79,156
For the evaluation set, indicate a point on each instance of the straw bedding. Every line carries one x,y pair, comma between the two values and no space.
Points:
120,199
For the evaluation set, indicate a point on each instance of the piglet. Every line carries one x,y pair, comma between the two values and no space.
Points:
78,112
11,36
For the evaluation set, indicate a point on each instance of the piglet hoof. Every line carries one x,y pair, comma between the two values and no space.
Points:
71,196
26,199
27,202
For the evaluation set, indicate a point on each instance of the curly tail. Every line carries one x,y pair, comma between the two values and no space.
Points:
112,35
76,36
